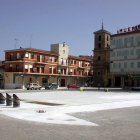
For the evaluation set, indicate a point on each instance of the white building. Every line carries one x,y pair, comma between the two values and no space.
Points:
125,54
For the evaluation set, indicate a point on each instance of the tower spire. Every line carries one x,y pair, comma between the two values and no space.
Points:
102,24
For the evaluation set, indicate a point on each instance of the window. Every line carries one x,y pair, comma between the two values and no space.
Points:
64,71
114,65
99,58
79,72
26,54
99,45
61,61
119,65
18,55
42,69
63,51
42,58
32,56
11,56
132,64
26,68
99,73
10,69
125,64
38,58
31,68
138,64
17,79
74,71
54,59
30,80
54,70
61,71
99,37
71,61
65,62
132,52
50,70
82,64
50,58
79,64
82,72
37,69
17,68
10,79
74,61
107,38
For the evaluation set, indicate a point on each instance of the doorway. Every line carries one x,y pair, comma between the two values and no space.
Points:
44,82
117,81
62,82
109,82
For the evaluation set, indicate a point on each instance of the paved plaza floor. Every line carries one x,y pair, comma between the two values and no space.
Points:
72,115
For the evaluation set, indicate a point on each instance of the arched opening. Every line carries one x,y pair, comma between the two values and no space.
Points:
99,45
99,37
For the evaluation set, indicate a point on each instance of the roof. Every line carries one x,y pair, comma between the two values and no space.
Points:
81,58
33,49
125,33
102,31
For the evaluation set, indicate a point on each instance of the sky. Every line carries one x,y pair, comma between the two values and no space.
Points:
40,23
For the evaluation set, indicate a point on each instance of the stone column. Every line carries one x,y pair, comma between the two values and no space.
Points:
67,80
23,78
136,81
75,80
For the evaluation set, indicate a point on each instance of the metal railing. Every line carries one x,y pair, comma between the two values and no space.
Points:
14,58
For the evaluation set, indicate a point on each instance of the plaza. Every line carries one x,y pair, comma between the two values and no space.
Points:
72,114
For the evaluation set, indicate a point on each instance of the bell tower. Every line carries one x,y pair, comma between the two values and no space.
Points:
101,52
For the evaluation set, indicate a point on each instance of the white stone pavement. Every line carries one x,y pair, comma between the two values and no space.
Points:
73,102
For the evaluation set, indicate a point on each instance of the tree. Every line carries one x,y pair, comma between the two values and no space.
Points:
85,79
105,80
129,78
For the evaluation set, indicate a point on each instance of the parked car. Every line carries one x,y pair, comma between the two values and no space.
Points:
72,86
33,86
51,86
135,88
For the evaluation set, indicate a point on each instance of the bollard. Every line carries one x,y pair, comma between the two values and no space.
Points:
8,100
2,99
81,89
16,101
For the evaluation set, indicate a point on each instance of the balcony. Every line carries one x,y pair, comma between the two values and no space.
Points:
14,59
62,63
81,66
13,70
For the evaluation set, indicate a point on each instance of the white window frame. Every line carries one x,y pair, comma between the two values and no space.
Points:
17,79
10,79
26,54
31,66
26,66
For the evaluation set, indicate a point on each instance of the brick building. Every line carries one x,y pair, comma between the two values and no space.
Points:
101,61
26,65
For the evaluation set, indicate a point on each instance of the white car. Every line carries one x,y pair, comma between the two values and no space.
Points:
135,88
33,86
